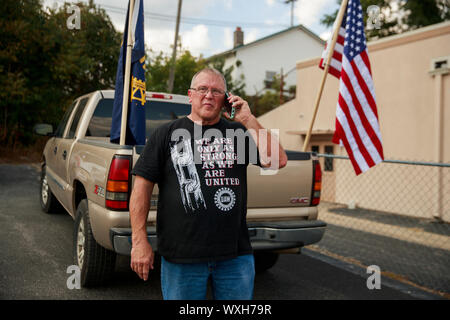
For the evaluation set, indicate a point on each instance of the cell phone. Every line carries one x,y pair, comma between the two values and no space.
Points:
228,106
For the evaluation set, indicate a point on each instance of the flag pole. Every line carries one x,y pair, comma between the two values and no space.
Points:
126,85
325,72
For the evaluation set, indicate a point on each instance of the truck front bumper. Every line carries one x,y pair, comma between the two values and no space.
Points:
267,236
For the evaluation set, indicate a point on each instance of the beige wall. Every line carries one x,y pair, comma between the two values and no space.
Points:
406,95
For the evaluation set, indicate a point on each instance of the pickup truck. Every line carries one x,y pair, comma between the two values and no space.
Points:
81,169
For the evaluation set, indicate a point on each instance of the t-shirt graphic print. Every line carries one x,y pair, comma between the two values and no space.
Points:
190,186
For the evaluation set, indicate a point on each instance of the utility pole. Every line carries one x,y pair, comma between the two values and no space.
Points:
174,52
292,10
282,83
281,87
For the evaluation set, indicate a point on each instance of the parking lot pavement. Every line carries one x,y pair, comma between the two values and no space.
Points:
37,250
412,251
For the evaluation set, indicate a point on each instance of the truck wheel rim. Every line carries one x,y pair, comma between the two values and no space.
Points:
44,191
80,244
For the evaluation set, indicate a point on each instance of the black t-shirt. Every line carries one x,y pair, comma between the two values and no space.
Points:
201,172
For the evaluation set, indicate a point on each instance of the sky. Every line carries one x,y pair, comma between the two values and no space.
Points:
207,26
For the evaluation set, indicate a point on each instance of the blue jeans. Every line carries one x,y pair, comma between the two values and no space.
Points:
230,279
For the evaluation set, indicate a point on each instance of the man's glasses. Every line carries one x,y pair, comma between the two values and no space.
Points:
204,90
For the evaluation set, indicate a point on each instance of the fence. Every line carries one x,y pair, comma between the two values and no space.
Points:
395,216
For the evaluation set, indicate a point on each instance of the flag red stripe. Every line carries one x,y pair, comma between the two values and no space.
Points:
335,72
367,125
365,58
321,63
332,70
366,61
339,134
362,116
337,56
362,83
354,130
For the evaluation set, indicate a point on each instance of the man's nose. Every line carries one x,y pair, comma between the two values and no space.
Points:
209,94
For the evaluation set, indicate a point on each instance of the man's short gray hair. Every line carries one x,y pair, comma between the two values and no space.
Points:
209,70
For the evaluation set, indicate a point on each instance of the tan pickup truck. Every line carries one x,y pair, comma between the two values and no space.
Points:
81,168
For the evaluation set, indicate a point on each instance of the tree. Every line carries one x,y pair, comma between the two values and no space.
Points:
398,16
271,97
235,86
86,59
158,68
425,12
261,104
44,65
22,56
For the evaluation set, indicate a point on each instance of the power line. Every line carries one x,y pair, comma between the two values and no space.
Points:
190,20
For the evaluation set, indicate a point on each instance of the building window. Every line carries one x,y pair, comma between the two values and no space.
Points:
328,161
315,149
268,81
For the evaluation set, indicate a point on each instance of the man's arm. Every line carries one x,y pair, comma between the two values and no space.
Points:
269,158
142,254
274,159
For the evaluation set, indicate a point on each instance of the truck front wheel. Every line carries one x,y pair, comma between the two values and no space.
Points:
95,262
49,203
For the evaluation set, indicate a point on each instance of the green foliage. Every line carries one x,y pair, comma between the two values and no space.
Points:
271,98
425,12
260,104
400,15
235,86
158,68
44,65
87,58
157,72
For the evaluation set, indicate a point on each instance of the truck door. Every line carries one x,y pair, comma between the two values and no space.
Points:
52,158
64,150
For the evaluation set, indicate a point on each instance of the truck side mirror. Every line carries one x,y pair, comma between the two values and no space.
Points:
43,129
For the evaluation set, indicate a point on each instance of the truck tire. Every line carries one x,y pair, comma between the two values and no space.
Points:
95,262
265,260
49,203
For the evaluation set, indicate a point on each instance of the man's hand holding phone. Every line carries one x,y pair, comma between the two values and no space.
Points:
236,108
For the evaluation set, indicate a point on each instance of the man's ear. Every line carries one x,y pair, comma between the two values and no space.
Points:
190,96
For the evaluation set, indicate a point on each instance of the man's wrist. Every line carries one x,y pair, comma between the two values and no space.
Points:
247,121
138,237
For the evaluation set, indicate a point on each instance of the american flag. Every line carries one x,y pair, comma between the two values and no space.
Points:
336,60
357,126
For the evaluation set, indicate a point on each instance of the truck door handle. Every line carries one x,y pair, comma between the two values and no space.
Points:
55,150
64,155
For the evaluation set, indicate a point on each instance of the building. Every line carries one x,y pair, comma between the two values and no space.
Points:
411,74
264,58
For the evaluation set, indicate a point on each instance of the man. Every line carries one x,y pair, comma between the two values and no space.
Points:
202,204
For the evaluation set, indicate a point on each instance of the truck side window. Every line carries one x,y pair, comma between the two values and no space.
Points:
160,112
100,125
62,125
76,118
156,114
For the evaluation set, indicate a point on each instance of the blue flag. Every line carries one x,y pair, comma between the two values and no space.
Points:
135,134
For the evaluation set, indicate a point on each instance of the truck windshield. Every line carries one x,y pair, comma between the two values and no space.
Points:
156,114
